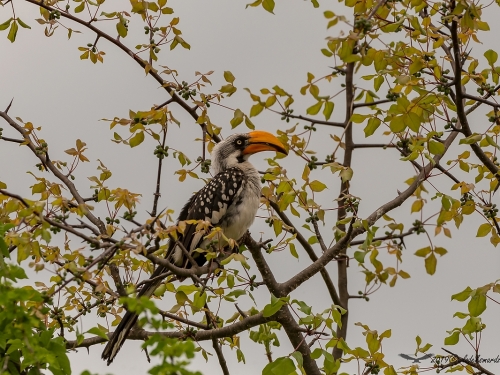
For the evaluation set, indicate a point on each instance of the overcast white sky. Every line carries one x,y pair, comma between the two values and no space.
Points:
54,89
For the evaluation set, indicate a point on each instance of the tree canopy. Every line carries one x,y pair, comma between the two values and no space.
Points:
408,87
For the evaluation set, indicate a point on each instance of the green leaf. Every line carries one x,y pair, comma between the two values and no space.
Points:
256,109
122,30
373,124
199,300
254,4
430,264
80,7
268,5
280,366
471,139
436,148
413,121
397,124
228,89
416,66
249,123
477,304
298,358
312,240
6,24
357,118
153,7
483,230
12,32
377,82
23,24
360,256
314,109
452,339
228,76
440,250
137,139
99,332
317,186
327,111
273,307
237,118
463,295
491,56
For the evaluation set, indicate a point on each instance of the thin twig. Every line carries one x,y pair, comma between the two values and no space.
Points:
469,362
168,315
8,107
359,105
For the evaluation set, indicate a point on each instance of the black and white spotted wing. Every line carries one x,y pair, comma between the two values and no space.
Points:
213,203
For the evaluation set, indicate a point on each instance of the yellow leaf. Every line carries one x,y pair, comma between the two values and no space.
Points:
417,205
317,186
430,264
483,230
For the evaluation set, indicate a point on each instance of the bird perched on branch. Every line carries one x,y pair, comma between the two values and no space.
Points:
229,201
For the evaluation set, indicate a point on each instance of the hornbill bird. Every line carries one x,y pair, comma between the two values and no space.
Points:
229,201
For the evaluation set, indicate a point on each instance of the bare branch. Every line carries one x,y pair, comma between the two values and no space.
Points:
388,237
460,95
481,100
373,145
220,356
8,107
168,315
314,121
293,283
202,335
49,165
310,251
264,269
293,331
157,193
13,140
183,272
360,105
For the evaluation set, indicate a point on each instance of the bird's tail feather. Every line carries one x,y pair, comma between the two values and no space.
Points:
114,345
129,319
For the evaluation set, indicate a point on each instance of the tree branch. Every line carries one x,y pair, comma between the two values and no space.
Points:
264,269
462,117
141,62
49,165
293,331
203,335
115,275
310,251
476,365
319,122
481,100
360,105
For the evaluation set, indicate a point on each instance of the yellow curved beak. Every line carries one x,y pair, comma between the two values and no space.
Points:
263,141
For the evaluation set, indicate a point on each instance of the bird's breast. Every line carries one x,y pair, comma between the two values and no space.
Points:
241,214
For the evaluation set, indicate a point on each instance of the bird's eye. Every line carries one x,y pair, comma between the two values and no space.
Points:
239,142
